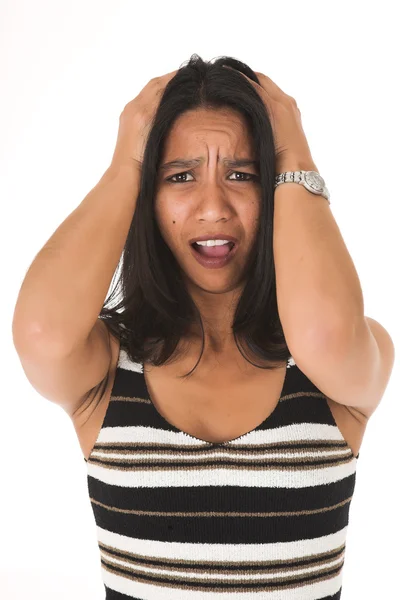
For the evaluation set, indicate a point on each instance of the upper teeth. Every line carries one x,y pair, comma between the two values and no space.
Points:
213,242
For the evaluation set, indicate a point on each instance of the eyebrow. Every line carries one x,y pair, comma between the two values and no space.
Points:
195,162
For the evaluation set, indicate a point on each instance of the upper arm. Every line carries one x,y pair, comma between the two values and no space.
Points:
386,351
66,378
352,372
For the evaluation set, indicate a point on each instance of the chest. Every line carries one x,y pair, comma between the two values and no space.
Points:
217,407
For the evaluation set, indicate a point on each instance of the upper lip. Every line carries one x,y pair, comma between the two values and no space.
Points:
214,236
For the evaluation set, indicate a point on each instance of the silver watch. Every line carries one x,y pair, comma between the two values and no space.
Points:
311,180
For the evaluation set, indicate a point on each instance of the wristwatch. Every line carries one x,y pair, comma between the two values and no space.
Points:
311,180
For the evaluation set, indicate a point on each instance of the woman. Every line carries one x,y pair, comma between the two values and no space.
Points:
236,375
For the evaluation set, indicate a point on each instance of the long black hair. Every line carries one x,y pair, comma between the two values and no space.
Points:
155,309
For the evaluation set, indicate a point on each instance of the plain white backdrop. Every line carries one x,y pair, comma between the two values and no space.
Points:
67,70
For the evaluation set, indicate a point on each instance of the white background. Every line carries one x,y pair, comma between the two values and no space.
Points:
67,70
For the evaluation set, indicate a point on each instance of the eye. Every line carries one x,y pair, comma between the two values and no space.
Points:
171,179
249,176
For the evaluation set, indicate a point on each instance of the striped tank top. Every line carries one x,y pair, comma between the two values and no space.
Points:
262,516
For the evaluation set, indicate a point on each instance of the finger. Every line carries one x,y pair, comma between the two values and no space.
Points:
169,75
256,85
270,86
160,80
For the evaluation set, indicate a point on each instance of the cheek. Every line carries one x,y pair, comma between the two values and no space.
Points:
168,219
250,218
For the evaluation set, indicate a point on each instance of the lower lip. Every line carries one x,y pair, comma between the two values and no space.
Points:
213,263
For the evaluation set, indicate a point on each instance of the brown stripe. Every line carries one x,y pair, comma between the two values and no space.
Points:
134,458
138,399
289,581
222,514
199,566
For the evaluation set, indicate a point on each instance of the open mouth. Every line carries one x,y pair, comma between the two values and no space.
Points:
214,251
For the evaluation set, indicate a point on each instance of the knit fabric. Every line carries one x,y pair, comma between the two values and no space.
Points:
262,516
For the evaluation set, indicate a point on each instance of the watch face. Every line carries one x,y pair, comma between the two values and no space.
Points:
315,180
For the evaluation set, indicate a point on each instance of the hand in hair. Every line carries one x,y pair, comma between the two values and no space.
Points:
135,122
291,146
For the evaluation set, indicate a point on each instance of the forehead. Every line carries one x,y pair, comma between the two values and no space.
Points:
224,126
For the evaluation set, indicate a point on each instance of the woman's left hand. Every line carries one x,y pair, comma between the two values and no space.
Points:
291,147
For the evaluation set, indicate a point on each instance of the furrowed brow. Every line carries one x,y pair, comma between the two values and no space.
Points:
181,163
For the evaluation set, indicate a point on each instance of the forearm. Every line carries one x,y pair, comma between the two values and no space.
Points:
65,287
318,289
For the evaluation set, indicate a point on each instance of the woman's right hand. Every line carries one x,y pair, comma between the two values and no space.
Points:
135,121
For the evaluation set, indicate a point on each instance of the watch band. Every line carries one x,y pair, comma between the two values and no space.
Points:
311,180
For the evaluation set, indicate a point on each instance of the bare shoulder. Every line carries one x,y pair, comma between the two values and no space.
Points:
88,420
351,423
82,415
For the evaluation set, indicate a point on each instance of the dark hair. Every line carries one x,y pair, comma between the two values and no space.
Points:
156,310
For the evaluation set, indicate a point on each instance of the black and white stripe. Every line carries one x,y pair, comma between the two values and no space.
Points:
263,515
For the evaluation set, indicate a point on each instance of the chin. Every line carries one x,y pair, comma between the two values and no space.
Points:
214,285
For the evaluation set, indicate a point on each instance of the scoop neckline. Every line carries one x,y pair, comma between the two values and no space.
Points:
227,442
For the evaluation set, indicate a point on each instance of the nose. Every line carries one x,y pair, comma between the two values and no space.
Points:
213,203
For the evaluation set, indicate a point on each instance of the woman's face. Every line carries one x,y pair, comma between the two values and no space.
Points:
211,197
